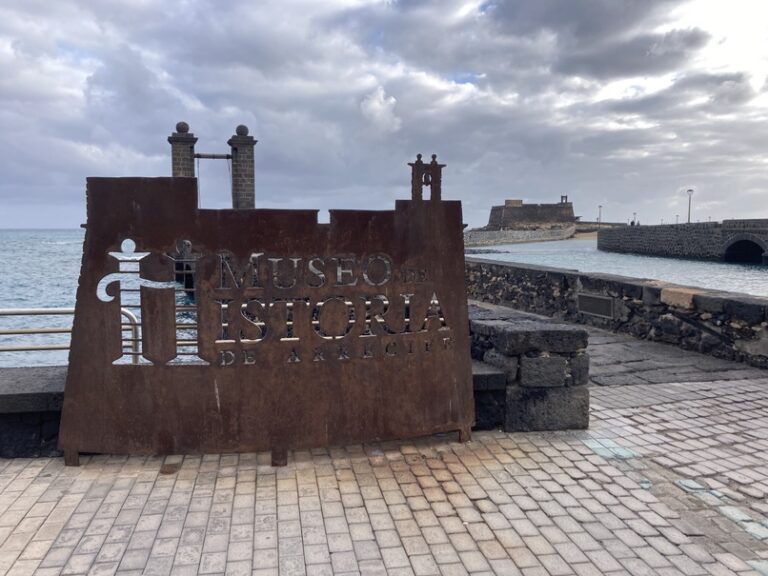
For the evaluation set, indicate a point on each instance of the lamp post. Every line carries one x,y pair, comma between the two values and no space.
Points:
599,214
677,218
690,195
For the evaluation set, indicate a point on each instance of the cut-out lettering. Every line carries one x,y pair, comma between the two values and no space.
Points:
331,321
434,315
377,270
278,275
317,269
345,274
254,329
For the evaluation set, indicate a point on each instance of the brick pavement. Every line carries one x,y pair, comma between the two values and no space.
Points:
670,479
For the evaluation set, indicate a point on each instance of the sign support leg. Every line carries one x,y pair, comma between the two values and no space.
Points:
71,458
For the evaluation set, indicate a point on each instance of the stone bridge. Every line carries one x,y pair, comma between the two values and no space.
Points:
743,241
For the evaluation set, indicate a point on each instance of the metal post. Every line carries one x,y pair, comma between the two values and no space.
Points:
690,195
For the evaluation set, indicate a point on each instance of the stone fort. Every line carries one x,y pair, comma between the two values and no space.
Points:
516,215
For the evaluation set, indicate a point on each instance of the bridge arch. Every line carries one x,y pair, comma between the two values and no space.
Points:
746,248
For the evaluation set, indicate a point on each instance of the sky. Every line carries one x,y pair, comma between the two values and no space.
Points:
623,104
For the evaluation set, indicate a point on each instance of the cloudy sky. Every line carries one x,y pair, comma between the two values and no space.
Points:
624,103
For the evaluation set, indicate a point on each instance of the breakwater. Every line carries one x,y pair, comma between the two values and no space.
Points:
496,237
722,324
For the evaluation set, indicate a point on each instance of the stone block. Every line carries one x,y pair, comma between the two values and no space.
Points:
492,312
710,342
518,337
651,295
486,327
750,310
490,409
479,345
487,377
542,372
612,285
29,435
669,328
514,333
32,389
533,409
579,370
508,364
710,302
679,297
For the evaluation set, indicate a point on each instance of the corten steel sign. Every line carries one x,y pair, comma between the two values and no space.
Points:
297,334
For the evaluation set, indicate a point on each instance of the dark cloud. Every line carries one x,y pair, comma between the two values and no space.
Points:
646,54
690,97
581,21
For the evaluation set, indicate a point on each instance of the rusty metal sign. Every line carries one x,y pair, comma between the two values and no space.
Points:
201,331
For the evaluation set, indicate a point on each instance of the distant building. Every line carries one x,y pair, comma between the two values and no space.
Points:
515,215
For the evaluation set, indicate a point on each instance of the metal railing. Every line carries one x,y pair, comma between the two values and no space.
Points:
132,324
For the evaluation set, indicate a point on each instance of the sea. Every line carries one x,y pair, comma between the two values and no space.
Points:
40,269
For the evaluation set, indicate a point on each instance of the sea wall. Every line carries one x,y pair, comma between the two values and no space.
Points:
30,410
722,324
492,237
701,240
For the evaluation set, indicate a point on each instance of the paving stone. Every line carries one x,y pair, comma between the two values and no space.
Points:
474,561
424,565
669,479
343,562
444,554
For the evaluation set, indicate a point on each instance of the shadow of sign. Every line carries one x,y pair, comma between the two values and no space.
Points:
296,334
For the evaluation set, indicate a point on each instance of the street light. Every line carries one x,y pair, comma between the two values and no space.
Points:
690,195
677,218
599,214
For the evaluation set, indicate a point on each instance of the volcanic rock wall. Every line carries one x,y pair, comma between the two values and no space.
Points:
722,324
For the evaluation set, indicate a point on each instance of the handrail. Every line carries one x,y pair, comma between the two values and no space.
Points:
132,324
35,311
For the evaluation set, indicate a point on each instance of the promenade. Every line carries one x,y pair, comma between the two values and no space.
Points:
671,479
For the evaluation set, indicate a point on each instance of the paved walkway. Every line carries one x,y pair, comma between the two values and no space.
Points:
670,479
